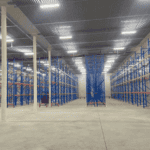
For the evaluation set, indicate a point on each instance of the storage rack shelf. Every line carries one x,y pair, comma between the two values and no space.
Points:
64,85
131,82
95,80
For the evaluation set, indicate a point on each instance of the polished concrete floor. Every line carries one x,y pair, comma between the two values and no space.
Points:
74,126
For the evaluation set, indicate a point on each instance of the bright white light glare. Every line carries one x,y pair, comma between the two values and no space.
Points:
42,61
49,6
29,69
64,27
46,64
129,21
119,48
83,69
17,65
38,72
29,53
78,62
44,74
110,61
72,52
129,32
65,37
53,68
9,40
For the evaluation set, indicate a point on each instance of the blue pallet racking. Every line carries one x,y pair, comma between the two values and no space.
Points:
95,80
20,84
131,81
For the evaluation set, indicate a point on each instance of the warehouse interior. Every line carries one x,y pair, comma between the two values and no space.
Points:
75,74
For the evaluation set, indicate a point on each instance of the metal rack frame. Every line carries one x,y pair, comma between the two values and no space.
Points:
131,82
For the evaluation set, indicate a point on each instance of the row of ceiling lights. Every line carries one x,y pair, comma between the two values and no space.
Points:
79,63
111,60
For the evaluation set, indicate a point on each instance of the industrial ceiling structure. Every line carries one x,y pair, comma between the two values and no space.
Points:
76,28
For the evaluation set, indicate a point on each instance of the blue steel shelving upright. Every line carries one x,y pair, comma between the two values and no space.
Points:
64,84
95,80
130,83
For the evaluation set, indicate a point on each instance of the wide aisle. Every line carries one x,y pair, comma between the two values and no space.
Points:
74,126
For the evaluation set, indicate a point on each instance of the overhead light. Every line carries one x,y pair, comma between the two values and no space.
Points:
64,27
71,51
119,48
129,32
49,6
38,72
29,53
9,40
65,37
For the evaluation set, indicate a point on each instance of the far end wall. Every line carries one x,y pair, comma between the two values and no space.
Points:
107,85
82,85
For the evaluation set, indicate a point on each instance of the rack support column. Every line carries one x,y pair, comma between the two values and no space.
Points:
49,61
4,62
35,73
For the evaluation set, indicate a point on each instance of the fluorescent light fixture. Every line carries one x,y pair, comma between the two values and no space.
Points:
129,32
110,61
65,37
49,6
9,40
119,48
71,51
64,27
29,53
